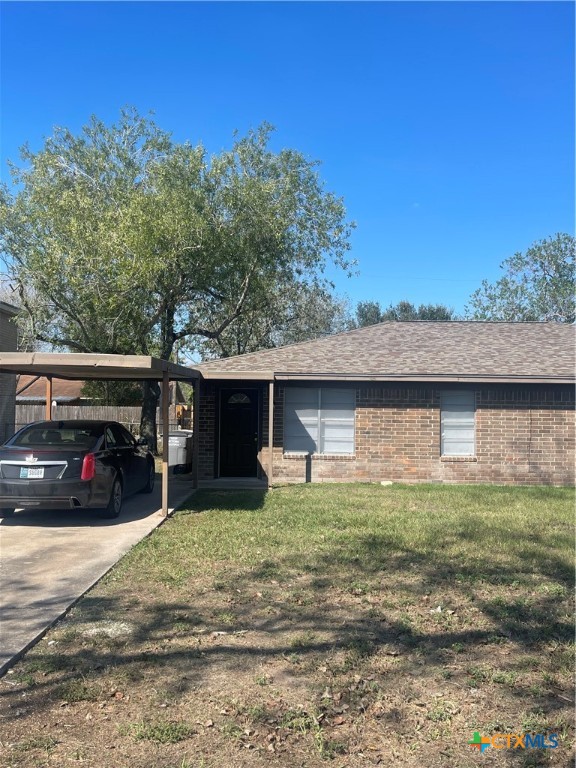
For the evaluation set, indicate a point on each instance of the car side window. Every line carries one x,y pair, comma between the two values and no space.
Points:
110,438
122,437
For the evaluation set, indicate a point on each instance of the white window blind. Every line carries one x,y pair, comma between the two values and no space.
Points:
318,420
457,429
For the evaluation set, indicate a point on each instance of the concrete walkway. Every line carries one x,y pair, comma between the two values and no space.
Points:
49,560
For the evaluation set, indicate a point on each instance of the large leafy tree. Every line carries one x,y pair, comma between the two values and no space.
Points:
536,285
119,240
370,312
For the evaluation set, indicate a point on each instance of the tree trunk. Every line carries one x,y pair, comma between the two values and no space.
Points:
151,389
150,398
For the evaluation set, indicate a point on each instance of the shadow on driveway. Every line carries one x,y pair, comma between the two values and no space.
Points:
50,559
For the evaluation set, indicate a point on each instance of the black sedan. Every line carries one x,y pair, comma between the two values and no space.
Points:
73,465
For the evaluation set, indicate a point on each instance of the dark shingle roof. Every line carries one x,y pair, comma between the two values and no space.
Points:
419,350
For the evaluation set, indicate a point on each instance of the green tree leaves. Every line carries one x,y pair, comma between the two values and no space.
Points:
120,240
537,285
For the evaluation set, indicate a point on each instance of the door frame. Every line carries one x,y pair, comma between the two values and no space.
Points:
257,391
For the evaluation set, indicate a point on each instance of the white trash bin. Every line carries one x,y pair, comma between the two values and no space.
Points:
180,451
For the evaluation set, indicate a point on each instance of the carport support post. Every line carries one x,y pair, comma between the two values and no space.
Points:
165,440
270,431
48,398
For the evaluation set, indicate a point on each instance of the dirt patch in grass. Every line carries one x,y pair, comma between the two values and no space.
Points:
350,626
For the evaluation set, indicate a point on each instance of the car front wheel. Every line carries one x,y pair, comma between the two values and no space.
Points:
115,503
6,511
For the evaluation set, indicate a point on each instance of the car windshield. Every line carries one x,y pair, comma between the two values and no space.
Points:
66,437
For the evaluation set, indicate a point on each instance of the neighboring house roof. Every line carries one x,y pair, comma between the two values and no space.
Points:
31,389
8,309
417,351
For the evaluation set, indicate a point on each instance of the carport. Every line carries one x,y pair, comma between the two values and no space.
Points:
111,368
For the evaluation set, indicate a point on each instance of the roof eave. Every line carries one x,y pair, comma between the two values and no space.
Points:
383,377
240,375
8,309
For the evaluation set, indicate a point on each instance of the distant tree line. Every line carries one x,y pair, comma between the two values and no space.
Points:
370,312
538,285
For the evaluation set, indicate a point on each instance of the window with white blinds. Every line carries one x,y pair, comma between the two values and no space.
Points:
318,420
457,411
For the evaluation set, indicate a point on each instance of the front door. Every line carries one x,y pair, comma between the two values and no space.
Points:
238,433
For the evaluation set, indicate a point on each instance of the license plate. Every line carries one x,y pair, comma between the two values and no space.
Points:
30,473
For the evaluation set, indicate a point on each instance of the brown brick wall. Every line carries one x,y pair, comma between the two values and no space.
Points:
523,435
207,431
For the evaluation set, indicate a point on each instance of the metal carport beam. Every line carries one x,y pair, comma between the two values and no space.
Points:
165,440
48,404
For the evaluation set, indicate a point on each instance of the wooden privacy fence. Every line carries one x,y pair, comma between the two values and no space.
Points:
129,415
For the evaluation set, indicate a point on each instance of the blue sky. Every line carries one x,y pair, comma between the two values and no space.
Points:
447,127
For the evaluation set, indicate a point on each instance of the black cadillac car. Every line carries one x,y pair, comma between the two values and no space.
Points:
73,465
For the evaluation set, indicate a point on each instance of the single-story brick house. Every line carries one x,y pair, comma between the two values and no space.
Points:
470,402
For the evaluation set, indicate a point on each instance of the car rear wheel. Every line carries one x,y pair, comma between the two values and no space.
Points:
115,503
6,511
149,487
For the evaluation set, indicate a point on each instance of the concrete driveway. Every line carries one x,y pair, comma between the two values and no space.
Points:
49,559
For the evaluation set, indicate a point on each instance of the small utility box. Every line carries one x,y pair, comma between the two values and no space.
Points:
180,451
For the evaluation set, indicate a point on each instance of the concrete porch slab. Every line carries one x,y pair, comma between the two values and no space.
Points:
233,484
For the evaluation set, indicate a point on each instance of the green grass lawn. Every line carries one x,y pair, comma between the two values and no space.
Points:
344,624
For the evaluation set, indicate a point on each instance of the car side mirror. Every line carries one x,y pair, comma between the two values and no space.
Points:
142,441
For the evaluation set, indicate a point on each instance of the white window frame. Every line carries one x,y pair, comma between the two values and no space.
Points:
319,421
457,415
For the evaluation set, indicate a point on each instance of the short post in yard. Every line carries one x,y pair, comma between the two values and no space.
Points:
270,431
165,440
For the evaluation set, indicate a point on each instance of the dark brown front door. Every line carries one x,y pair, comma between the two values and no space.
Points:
238,433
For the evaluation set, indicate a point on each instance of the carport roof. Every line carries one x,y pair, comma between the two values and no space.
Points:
93,366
